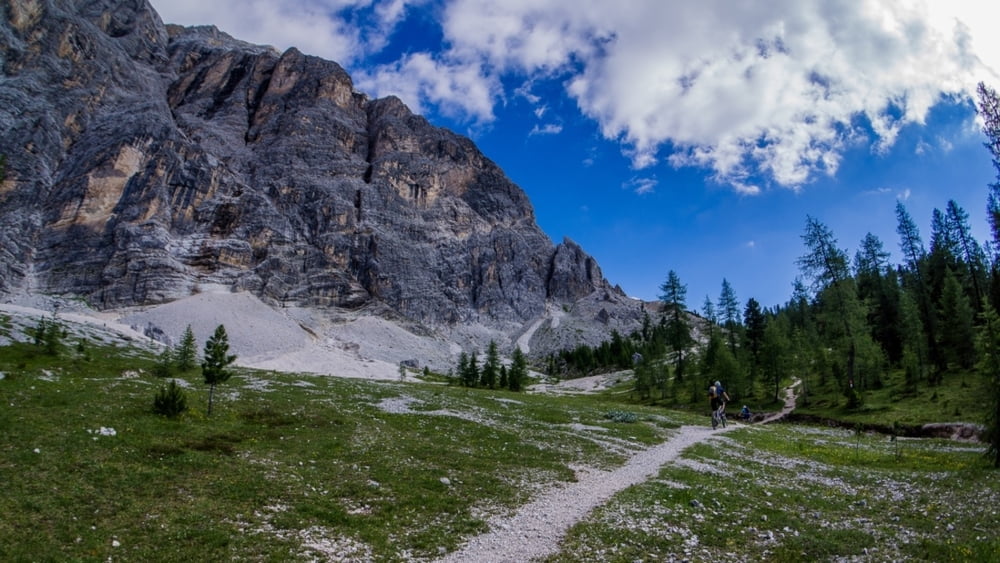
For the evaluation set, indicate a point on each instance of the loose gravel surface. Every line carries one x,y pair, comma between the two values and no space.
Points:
537,529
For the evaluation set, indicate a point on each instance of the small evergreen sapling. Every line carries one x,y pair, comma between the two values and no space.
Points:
170,401
164,365
217,360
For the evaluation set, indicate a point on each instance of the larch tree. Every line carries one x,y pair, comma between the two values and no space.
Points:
729,314
879,287
215,365
754,323
971,257
989,111
837,295
673,295
958,340
708,311
915,280
989,365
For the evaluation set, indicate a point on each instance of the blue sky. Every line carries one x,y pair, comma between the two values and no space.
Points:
693,137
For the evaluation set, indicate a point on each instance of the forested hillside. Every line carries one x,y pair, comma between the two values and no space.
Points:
857,330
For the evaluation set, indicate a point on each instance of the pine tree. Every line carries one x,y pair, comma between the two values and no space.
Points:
915,359
463,369
708,311
914,278
956,321
164,363
972,259
754,323
491,368
215,365
989,365
837,296
774,354
518,373
186,353
729,314
170,401
471,375
878,286
678,332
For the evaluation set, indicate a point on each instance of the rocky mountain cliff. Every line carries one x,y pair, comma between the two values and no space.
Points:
144,160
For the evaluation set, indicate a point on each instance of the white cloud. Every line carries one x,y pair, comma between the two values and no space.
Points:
458,90
640,185
547,129
758,93
774,88
310,25
904,195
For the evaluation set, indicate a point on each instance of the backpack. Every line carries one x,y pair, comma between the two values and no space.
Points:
713,392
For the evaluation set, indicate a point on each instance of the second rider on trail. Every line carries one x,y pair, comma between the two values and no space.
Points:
718,398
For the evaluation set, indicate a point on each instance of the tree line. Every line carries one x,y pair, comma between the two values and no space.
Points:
849,321
492,374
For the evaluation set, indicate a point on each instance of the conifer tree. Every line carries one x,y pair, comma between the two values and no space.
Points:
837,295
214,367
708,311
164,363
471,375
491,368
187,351
463,369
754,323
729,314
678,332
774,354
989,365
957,333
518,373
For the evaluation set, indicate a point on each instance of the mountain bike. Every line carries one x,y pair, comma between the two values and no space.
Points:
719,416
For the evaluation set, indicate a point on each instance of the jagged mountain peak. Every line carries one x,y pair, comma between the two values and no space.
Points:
145,160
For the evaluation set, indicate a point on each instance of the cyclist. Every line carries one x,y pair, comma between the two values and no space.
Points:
717,398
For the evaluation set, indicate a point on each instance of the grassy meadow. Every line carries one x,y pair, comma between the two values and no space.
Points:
300,467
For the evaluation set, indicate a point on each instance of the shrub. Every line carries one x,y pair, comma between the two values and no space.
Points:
621,416
170,401
164,365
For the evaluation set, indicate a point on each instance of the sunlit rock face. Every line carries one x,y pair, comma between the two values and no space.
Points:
143,160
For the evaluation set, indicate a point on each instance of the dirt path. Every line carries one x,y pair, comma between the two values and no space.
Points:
790,397
537,529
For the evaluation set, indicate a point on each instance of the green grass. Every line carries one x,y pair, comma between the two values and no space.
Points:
286,462
959,398
795,493
296,467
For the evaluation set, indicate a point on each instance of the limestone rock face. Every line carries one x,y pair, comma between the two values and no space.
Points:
143,160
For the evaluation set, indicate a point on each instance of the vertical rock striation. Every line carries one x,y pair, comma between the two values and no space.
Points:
144,160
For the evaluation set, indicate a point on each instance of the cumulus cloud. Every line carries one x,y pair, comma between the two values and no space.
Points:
762,93
775,90
317,27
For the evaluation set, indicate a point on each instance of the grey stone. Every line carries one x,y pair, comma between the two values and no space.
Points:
144,160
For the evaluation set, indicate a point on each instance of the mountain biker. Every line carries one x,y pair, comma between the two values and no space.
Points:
717,398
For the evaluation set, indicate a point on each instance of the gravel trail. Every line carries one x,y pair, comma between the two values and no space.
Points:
537,529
